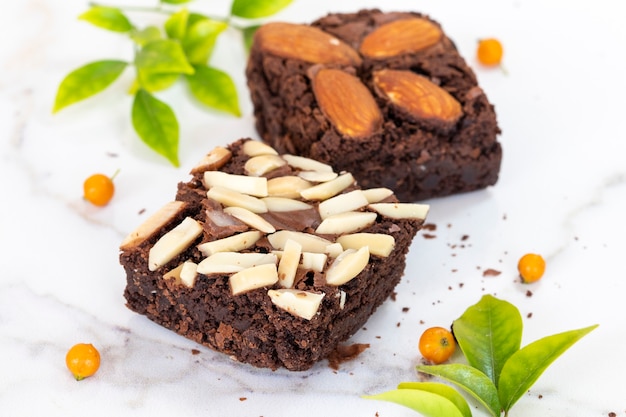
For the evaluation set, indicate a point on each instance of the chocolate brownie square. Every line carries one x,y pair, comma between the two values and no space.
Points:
385,96
272,259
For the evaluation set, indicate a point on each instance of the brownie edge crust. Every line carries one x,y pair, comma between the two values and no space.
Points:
271,259
385,96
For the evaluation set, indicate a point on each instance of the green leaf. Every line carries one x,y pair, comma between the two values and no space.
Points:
87,81
248,36
200,38
427,402
155,82
110,18
155,123
441,389
525,366
176,25
254,9
470,379
488,333
146,35
215,89
163,56
175,1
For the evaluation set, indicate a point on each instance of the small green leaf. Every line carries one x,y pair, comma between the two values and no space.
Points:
146,35
156,124
254,9
525,366
155,82
110,18
176,25
87,81
175,1
248,36
200,38
163,56
425,402
441,389
488,333
215,89
470,379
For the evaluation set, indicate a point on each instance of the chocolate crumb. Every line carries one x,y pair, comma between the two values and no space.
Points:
345,353
461,284
242,398
490,272
449,288
529,293
455,270
431,227
529,315
195,352
464,238
428,236
422,321
142,211
540,396
398,324
612,414
405,309
393,296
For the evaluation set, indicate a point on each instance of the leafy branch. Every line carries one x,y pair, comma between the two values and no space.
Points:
499,370
180,49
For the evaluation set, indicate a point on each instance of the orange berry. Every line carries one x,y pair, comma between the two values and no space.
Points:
489,51
98,189
83,360
531,267
437,344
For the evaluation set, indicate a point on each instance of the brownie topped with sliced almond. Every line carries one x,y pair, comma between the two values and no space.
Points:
383,95
273,259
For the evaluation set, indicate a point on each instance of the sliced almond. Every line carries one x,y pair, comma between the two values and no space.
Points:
235,243
352,200
328,189
317,176
262,164
334,249
288,265
401,210
379,244
189,274
309,242
251,219
174,274
173,243
299,303
289,186
347,103
417,95
228,262
253,278
402,36
256,148
374,195
213,161
342,299
306,164
347,222
232,198
159,219
347,266
313,261
305,43
255,186
280,204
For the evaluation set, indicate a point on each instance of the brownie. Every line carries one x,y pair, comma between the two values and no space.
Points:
272,259
385,96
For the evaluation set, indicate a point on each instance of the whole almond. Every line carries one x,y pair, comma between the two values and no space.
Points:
417,95
347,103
400,37
306,43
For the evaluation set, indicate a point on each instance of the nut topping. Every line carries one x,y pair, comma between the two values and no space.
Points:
347,266
262,164
379,244
328,189
289,262
288,186
251,219
305,43
252,278
255,186
299,303
256,148
347,222
347,103
235,243
341,203
401,210
160,218
309,242
227,262
213,161
403,36
173,243
417,95
231,198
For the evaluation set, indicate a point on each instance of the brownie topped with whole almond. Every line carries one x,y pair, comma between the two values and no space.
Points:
273,259
385,96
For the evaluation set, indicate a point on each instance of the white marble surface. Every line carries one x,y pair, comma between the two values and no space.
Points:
562,193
